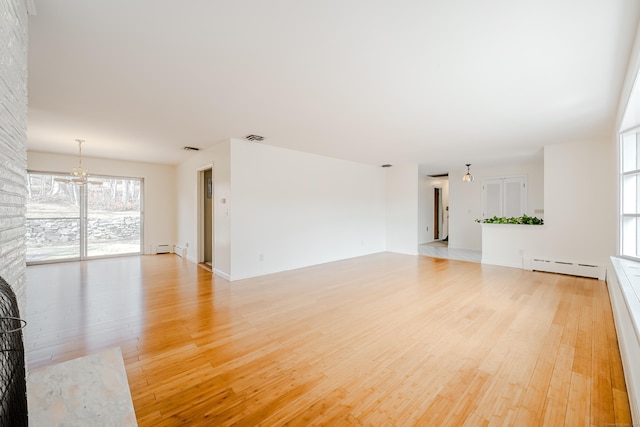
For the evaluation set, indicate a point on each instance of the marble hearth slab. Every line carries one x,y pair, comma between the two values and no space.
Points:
88,391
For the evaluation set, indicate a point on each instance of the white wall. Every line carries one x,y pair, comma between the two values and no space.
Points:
465,199
628,116
425,210
580,211
426,186
465,205
445,204
217,157
508,245
292,209
159,188
13,137
580,201
402,188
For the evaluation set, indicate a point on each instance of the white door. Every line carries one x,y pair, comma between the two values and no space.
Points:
504,197
514,196
492,198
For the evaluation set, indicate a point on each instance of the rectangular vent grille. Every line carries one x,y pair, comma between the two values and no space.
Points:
163,249
568,267
180,251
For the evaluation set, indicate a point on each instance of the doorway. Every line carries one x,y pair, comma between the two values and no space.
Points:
437,213
207,215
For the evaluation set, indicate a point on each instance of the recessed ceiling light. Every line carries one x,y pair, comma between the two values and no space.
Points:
256,138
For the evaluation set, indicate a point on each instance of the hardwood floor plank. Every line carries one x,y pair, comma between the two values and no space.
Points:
385,339
602,388
579,403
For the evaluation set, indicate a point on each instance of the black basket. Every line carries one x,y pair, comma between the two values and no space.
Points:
13,385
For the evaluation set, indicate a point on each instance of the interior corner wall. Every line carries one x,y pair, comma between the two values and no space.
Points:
159,196
401,193
465,206
292,209
425,210
628,114
188,175
580,201
13,152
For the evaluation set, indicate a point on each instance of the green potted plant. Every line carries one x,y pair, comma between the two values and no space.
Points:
524,219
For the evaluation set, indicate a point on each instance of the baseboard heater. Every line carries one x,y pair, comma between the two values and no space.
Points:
568,267
180,251
163,249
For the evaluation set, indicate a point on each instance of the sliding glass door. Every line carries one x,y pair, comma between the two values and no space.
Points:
113,217
66,221
53,218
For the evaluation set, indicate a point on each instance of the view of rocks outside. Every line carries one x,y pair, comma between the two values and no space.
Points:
54,209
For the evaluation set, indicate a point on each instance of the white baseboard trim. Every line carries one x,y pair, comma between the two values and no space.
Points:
221,274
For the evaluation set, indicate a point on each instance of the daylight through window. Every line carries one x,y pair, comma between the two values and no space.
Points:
66,221
630,195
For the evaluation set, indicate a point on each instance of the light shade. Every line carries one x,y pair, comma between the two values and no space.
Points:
468,177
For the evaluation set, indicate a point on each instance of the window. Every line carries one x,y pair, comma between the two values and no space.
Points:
630,194
66,221
504,197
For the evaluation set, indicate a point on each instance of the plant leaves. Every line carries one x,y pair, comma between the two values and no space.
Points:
524,219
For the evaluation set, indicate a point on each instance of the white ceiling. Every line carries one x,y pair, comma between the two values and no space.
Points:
434,82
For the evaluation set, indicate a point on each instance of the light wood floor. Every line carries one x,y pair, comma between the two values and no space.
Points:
380,340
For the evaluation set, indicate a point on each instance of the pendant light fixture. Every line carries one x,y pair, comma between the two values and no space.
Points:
79,174
468,177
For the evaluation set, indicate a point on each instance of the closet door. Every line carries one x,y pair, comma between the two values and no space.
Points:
492,198
504,197
514,196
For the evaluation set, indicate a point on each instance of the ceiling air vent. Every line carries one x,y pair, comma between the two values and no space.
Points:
256,138
191,149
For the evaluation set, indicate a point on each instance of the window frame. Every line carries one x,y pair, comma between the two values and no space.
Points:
83,212
622,174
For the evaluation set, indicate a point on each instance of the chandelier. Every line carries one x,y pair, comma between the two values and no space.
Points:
79,174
